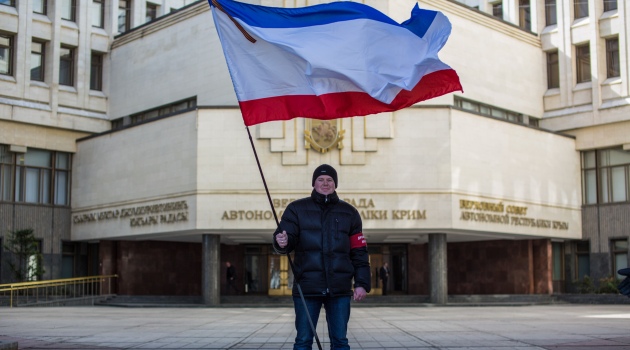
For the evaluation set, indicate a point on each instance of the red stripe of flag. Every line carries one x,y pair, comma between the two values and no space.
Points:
346,104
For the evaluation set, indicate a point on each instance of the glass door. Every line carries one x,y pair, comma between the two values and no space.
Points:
280,275
376,261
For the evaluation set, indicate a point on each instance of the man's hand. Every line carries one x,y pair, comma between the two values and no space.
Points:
282,239
359,293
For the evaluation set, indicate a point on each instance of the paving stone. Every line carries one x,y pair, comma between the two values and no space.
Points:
535,327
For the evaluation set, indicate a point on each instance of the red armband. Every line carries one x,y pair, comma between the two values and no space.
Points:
357,241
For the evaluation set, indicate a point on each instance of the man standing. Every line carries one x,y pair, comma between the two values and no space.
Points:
384,275
230,274
330,253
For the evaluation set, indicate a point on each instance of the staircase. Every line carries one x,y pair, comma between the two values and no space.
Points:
371,301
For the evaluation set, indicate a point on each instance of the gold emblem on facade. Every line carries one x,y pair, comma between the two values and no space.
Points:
323,135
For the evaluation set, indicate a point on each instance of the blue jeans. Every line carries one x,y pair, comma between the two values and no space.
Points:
337,317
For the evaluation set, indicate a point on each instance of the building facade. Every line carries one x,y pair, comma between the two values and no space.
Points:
140,165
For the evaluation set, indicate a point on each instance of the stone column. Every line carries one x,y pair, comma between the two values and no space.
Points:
210,270
438,269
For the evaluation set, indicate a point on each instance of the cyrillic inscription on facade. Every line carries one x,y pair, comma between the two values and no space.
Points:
163,213
506,215
365,206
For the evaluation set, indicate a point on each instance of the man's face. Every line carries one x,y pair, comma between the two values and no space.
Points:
324,184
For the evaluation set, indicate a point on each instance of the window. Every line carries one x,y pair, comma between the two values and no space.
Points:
583,263
583,63
163,110
550,13
66,69
118,123
7,2
124,15
488,110
557,254
68,253
497,10
40,6
613,172
553,70
152,12
37,60
33,175
6,173
62,179
34,264
98,13
96,72
589,177
610,5
524,15
580,8
6,54
41,176
534,122
612,58
606,176
619,255
68,10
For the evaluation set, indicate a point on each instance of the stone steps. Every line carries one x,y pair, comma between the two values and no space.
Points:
371,301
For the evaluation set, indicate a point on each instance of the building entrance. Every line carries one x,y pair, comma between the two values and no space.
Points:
277,277
398,275
376,261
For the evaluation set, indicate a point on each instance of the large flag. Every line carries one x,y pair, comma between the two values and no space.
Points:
328,61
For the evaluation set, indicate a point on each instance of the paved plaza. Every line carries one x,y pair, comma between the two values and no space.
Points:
560,327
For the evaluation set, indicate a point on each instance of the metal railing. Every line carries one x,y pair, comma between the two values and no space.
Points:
61,292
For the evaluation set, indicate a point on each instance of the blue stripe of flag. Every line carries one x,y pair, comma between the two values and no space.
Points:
276,17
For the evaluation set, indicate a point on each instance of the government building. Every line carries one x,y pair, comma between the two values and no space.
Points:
123,148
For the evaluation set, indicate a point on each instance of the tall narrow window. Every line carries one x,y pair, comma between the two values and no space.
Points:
557,272
612,58
6,54
497,10
62,179
152,12
582,252
40,6
553,70
68,259
551,17
589,177
620,255
98,13
68,10
7,2
37,60
124,15
610,5
580,8
583,63
34,264
6,173
66,69
96,72
524,15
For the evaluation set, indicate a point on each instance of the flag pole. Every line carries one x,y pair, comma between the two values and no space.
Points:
273,210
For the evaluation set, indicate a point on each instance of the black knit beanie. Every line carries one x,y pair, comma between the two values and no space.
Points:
325,169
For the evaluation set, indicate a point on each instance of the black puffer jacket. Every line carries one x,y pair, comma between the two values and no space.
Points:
320,230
